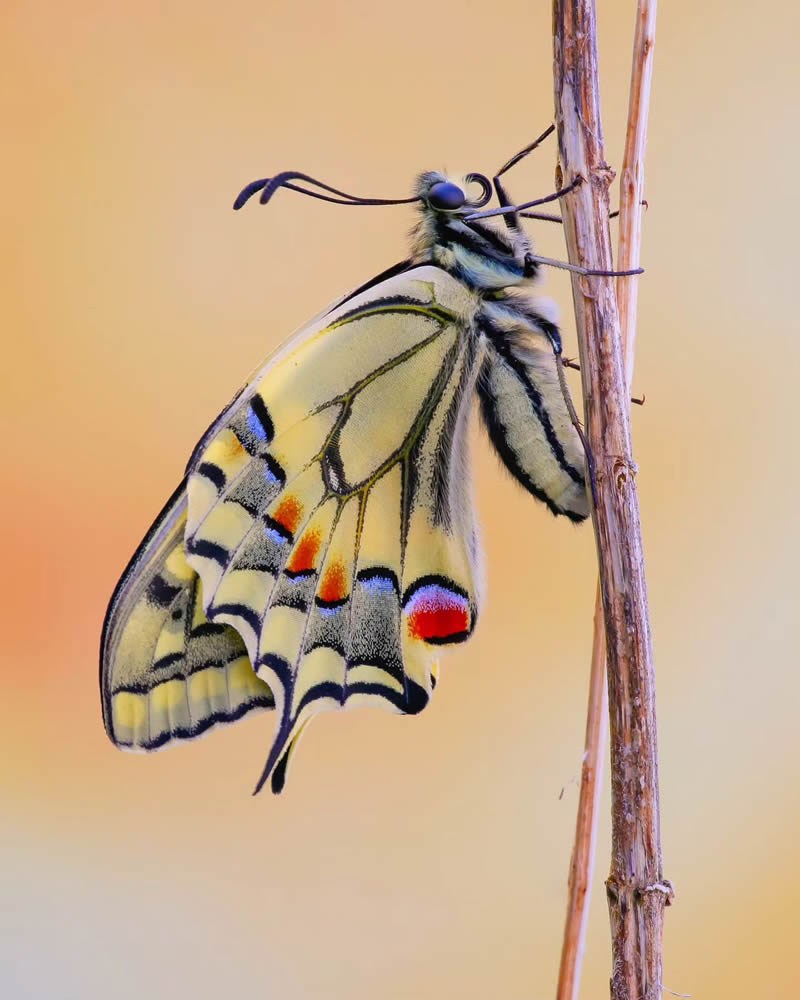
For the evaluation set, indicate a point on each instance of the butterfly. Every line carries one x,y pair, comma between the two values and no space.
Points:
321,547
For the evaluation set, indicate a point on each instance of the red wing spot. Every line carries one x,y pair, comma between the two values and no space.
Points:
334,583
436,613
288,514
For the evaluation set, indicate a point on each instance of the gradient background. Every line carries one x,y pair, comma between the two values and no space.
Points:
419,857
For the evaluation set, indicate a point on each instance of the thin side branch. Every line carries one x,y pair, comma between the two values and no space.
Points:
631,180
636,890
581,869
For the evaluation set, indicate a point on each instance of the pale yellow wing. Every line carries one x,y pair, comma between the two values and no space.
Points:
330,517
166,672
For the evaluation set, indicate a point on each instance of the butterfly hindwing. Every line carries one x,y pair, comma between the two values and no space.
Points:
166,671
325,518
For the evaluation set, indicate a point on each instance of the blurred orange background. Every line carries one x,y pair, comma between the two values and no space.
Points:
425,856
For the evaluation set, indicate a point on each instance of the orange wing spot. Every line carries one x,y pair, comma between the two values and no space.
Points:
234,447
334,583
305,553
288,514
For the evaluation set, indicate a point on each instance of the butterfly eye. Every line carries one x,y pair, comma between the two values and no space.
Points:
446,197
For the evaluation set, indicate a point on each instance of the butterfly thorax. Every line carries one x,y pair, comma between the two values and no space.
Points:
484,256
490,259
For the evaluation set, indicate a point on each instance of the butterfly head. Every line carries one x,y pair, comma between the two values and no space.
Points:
451,232
485,255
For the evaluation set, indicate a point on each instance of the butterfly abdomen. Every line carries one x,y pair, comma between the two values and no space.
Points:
523,406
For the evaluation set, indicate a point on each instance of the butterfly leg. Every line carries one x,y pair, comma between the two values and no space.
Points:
569,363
533,259
576,422
524,152
546,217
512,220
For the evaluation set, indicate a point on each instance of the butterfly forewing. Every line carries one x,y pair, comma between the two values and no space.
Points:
166,671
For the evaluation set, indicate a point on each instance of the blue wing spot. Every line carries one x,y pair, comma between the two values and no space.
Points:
329,612
378,581
259,422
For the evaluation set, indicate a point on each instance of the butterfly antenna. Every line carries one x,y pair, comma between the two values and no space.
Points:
269,185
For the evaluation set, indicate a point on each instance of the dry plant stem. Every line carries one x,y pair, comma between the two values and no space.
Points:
632,176
581,868
630,234
636,891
